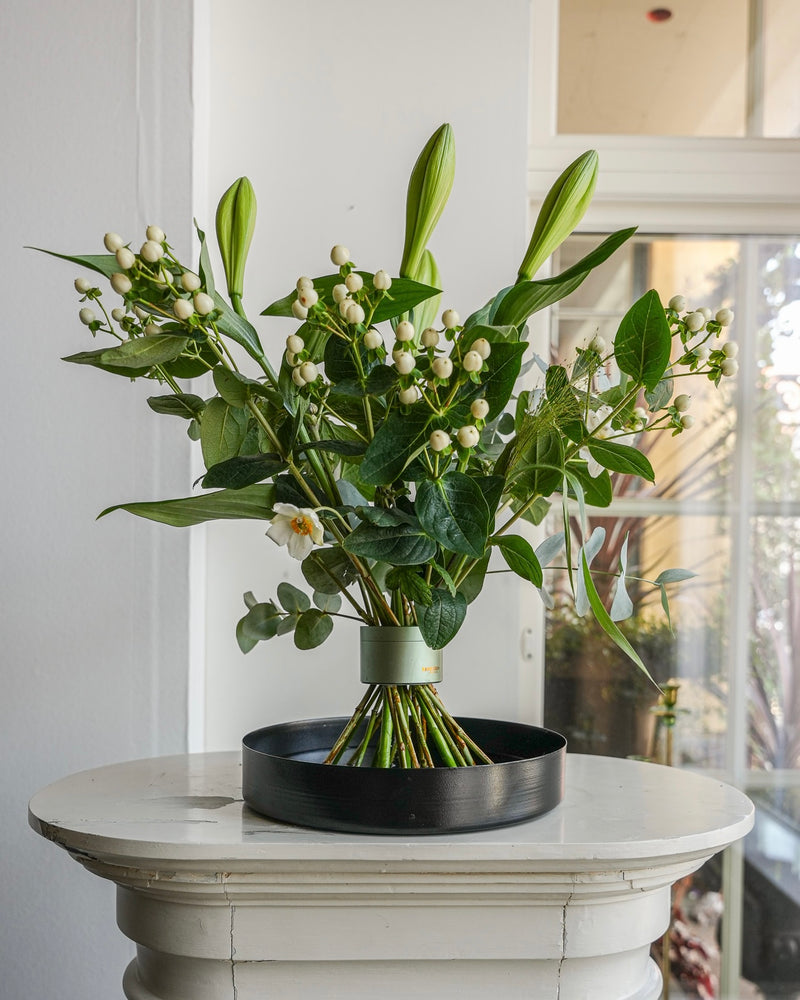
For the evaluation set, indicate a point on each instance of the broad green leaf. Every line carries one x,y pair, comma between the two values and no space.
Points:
643,342
472,584
312,629
621,458
328,571
242,471
452,509
252,503
234,387
242,332
402,296
206,274
105,263
398,545
334,447
380,380
222,431
261,622
442,618
502,371
329,603
394,444
409,582
385,516
291,598
133,357
520,557
179,404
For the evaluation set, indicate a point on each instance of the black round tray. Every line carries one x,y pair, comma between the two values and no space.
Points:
284,778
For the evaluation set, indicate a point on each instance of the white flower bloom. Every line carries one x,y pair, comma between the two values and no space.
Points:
183,308
439,440
112,242
442,367
677,302
190,282
404,331
203,303
381,281
155,233
593,421
354,282
450,319
295,344
121,283
372,340
298,528
430,337
724,317
125,258
86,316
151,251
472,362
479,408
340,255
468,436
82,285
404,363
299,311
483,347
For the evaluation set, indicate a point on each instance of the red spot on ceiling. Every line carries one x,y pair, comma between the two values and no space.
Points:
659,14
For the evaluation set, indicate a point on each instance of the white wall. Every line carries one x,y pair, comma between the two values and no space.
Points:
97,131
325,107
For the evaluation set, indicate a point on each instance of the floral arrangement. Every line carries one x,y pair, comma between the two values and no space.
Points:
392,453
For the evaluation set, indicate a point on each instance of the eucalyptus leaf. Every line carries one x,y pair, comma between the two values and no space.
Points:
291,598
179,404
329,603
312,629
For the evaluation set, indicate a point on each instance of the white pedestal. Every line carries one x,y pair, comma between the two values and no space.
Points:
226,905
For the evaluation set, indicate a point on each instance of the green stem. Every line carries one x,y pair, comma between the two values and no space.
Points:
383,753
362,708
443,745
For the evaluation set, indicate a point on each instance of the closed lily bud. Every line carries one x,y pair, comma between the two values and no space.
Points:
405,363
472,362
126,258
112,242
235,222
372,340
86,316
442,367
428,190
190,282
151,251
450,319
404,331
724,317
381,281
482,346
82,285
340,255
561,211
468,436
204,304
183,308
121,283
155,233
295,344
430,337
677,302
354,282
439,440
479,408
309,371
299,311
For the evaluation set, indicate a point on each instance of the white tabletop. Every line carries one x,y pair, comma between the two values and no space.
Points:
189,808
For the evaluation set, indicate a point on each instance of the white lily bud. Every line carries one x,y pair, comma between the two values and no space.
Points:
295,343
155,233
724,317
373,340
687,421
468,436
729,367
190,282
430,337
450,319
152,330
151,251
694,321
479,408
677,302
442,367
303,284
483,347
730,349
309,371
297,377
125,258
118,315
354,314
204,304
112,242
340,255
339,292
121,283
307,297
82,285
86,316
354,282
299,311
183,308
381,281
405,363
407,396
404,331
682,402
439,440
472,362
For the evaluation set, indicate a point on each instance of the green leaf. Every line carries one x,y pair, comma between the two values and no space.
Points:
133,357
329,603
222,431
621,458
240,330
312,629
234,387
384,516
291,598
380,380
206,274
261,622
328,571
408,580
394,444
403,295
442,618
336,447
643,342
105,264
503,367
674,576
452,509
520,557
398,545
179,404
242,471
251,503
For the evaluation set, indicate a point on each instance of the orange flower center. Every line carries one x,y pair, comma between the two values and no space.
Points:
301,525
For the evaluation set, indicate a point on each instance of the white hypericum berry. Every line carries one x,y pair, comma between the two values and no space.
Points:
304,283
151,251
404,331
118,315
354,282
86,316
309,371
677,302
404,363
381,281
183,308
372,340
407,396
442,367
687,421
450,319
190,282
694,321
295,343
439,440
340,255
152,330
707,314
203,303
729,367
112,242
479,408
155,233
299,311
702,354
297,377
597,344
640,414
291,358
468,436
307,297
472,362
682,402
125,258
121,283
724,317
82,285
339,292
141,314
354,314
730,349
483,347
344,305
430,337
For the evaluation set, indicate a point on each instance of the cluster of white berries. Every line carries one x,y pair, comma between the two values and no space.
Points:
696,328
468,435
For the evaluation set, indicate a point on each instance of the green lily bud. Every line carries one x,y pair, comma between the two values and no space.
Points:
427,273
562,210
428,190
236,220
